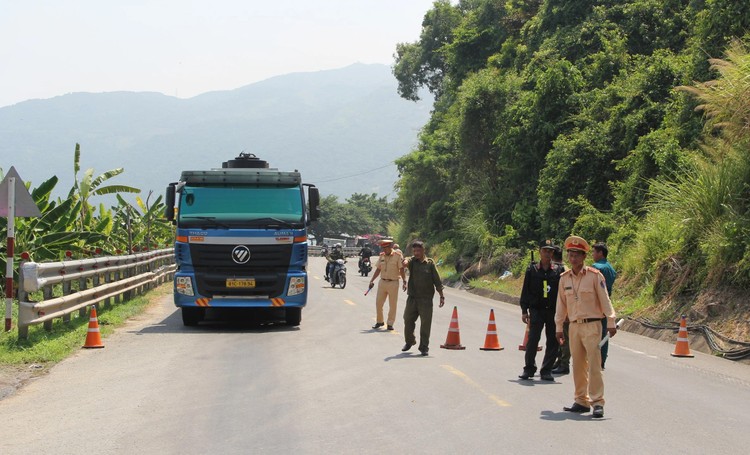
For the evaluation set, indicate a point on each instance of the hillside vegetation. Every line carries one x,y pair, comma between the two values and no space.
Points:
626,122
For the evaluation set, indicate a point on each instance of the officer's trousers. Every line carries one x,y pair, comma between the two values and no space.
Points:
541,321
387,289
422,309
587,362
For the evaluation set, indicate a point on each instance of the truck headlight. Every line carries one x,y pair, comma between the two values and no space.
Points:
296,285
184,285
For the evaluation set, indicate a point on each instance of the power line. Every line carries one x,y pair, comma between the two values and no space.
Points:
356,175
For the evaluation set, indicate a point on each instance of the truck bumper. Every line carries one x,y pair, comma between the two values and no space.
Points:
184,285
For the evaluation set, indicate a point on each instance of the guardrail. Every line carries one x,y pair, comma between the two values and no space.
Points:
349,251
104,279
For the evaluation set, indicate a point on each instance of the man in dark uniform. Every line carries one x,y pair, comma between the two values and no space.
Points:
365,252
538,298
562,365
424,280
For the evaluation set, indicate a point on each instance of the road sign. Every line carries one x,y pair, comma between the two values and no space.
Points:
24,204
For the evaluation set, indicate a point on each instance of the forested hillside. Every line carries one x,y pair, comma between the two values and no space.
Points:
586,117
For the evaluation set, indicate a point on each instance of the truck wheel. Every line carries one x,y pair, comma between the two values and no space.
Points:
293,316
191,316
342,280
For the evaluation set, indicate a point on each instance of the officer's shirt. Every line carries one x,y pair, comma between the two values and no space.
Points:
606,269
390,266
539,289
583,296
424,278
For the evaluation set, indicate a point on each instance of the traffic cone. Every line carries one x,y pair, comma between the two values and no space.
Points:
453,341
93,337
682,348
491,343
522,347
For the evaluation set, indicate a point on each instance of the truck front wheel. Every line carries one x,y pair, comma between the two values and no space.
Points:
293,316
191,316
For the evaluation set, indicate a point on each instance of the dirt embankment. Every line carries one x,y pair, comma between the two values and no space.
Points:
725,312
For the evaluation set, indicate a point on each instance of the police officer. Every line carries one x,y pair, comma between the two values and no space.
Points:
389,268
538,298
583,299
424,280
336,253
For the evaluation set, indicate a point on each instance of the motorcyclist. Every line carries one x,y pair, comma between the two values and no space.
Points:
365,252
336,253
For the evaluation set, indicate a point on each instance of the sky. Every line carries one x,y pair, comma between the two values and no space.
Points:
184,48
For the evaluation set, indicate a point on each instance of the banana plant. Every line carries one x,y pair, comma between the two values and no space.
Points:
89,186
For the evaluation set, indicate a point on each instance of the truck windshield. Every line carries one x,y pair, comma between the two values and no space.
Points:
208,206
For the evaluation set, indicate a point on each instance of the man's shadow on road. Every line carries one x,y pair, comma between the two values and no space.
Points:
406,355
559,416
533,383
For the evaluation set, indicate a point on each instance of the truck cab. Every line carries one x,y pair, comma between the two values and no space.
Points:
241,238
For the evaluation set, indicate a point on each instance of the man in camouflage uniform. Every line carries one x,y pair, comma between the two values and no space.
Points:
336,253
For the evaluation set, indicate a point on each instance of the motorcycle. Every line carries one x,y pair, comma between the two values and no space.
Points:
338,274
364,266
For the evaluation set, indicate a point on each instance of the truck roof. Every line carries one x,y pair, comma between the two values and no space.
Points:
241,175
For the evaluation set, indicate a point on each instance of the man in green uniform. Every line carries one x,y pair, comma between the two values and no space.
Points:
599,253
424,280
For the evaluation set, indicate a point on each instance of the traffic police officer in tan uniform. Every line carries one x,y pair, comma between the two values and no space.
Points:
582,298
389,268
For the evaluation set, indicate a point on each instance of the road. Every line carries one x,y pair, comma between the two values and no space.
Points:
334,385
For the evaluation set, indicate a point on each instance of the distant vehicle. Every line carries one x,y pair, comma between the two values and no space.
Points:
241,239
364,266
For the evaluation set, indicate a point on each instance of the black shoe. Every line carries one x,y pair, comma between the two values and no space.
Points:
598,411
424,351
526,375
390,327
406,347
547,377
325,277
579,408
378,325
561,370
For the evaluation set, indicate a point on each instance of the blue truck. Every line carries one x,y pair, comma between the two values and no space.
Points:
241,238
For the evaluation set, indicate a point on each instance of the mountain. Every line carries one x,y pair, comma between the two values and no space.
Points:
340,128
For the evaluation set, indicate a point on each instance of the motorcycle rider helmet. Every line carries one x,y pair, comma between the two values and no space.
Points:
338,245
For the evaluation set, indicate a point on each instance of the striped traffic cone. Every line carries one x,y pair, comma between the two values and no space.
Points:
682,348
93,337
491,343
453,340
522,347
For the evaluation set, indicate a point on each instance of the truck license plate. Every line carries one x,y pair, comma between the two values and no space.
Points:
240,282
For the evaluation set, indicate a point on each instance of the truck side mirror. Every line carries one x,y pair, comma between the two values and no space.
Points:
314,200
169,201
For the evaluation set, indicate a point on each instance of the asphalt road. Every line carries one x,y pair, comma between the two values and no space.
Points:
334,385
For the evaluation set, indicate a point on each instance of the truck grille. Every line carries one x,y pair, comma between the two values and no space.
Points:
213,264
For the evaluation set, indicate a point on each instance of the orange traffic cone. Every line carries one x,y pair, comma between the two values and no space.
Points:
491,343
522,347
682,349
453,341
93,338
